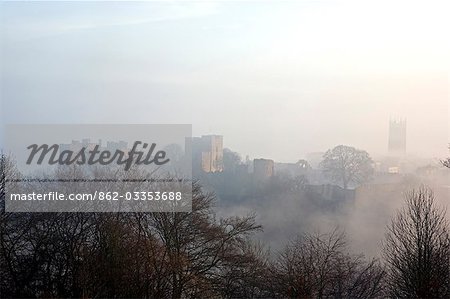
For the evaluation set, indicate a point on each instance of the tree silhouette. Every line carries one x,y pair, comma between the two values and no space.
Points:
417,249
446,162
346,164
320,266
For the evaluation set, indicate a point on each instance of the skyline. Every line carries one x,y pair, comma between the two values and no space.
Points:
278,80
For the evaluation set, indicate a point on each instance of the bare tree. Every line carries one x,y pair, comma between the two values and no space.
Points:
417,249
126,255
247,275
319,266
346,164
8,171
198,247
446,162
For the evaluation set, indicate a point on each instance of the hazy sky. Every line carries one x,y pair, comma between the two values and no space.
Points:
277,78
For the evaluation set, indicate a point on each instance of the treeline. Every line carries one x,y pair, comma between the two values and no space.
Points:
171,255
196,255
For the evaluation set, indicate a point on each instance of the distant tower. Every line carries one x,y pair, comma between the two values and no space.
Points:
397,137
207,152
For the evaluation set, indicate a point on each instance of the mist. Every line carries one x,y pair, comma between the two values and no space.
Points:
312,122
277,80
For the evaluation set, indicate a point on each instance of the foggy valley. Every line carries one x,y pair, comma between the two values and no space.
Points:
299,149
